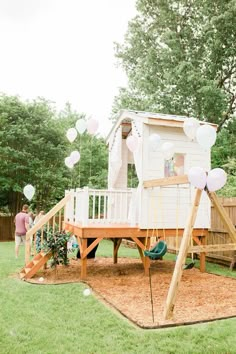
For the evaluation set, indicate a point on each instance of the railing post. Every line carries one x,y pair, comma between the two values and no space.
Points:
66,209
85,206
77,205
133,207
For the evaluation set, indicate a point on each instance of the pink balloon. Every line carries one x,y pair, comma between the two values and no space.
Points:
197,177
92,126
132,143
216,179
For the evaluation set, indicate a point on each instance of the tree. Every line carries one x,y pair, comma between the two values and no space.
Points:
180,58
33,146
30,146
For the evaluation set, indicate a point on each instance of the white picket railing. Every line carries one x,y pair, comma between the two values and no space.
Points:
101,206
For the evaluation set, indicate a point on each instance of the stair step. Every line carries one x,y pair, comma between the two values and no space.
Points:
27,270
37,257
43,254
35,261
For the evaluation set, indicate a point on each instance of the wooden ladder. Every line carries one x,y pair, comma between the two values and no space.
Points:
34,265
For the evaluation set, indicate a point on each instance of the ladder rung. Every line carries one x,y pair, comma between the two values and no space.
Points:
27,270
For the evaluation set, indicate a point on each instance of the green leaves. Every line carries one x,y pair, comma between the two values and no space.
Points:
33,147
180,58
57,244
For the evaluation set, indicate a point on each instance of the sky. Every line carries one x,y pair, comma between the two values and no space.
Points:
63,50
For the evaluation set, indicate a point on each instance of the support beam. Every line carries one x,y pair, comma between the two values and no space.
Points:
86,251
83,259
116,246
175,281
168,181
138,243
212,248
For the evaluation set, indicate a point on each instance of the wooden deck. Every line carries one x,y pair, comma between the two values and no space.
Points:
117,232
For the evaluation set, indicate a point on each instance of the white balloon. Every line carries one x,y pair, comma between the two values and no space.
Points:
68,162
92,126
154,141
87,292
190,127
81,125
168,150
197,177
132,143
75,156
216,179
29,191
206,136
71,134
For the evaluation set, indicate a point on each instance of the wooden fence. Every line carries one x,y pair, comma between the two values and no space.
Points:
217,233
6,228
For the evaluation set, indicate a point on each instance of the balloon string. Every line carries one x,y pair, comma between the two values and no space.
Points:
80,138
91,154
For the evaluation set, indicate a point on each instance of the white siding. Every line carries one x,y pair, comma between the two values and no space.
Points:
168,207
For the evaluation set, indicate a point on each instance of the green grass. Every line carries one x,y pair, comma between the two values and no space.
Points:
59,319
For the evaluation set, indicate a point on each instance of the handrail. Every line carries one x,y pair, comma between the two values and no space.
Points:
48,216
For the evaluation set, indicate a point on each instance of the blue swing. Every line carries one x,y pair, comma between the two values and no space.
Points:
158,251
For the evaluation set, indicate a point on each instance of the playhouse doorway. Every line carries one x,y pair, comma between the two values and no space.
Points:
132,178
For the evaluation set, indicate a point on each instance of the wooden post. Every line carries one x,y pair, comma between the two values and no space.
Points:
147,259
203,256
83,259
232,264
175,281
116,245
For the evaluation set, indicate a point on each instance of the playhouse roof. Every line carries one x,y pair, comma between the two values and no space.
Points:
124,118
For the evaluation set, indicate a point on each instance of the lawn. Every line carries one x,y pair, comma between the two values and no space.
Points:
60,319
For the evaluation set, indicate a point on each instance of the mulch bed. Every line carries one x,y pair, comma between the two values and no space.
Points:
201,296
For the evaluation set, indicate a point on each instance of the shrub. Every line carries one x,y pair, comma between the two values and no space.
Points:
57,243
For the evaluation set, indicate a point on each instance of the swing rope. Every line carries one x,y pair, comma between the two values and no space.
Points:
192,263
177,222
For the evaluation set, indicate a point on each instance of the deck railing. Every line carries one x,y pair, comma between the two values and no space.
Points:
53,219
101,206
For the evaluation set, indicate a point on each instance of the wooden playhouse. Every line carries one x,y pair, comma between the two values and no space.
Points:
163,205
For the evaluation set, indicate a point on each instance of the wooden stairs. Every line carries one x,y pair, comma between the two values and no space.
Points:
34,265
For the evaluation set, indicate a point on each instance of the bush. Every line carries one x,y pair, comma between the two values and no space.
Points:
57,243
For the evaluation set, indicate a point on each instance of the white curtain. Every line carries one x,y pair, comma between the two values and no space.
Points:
135,205
115,157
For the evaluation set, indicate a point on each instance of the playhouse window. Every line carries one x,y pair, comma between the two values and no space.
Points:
175,166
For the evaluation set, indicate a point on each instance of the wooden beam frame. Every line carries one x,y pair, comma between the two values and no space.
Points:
212,248
168,181
175,281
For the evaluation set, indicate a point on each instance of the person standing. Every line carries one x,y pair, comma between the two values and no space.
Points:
22,226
